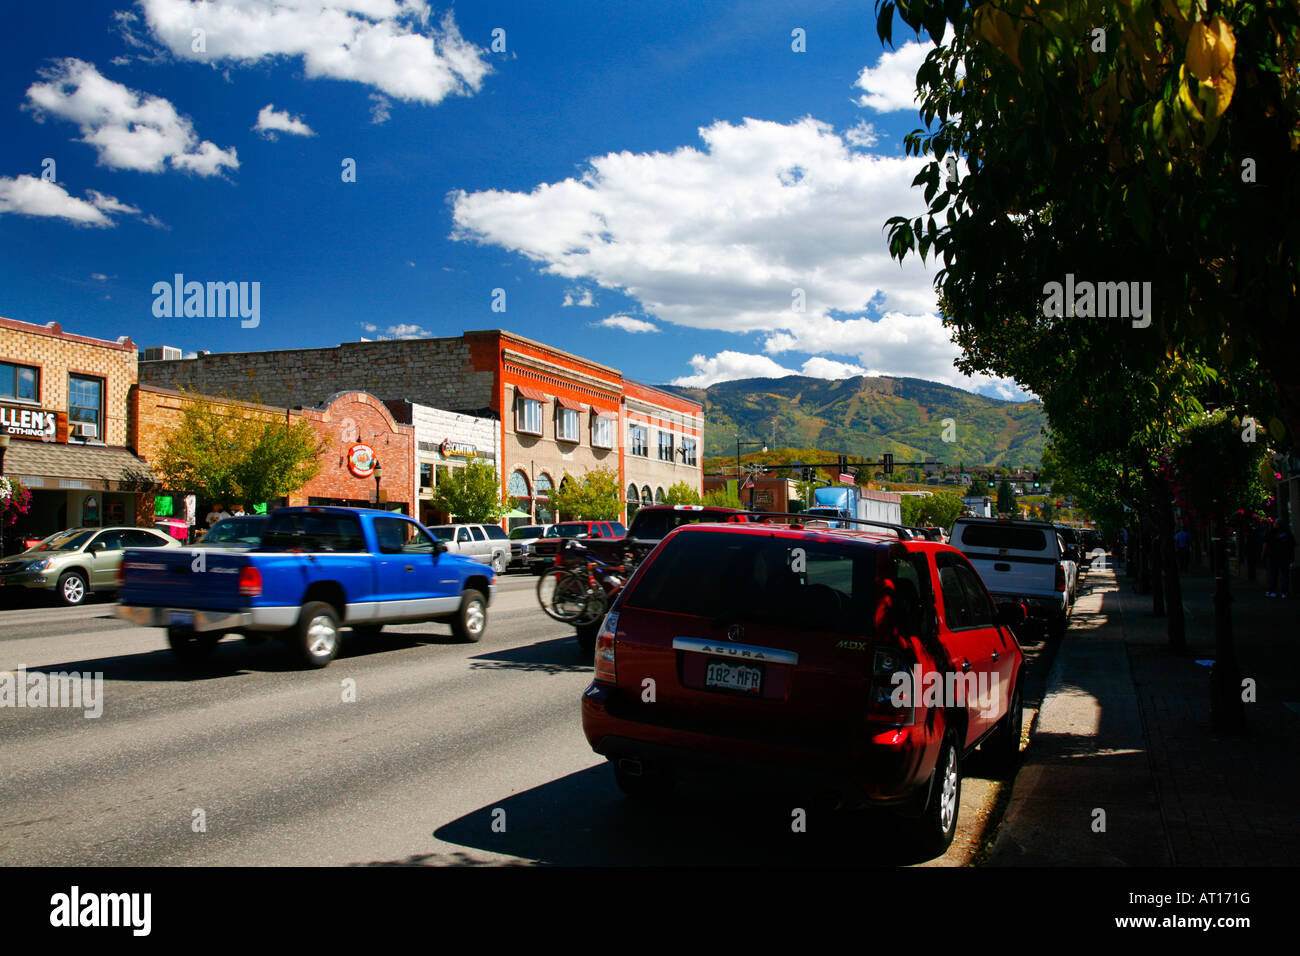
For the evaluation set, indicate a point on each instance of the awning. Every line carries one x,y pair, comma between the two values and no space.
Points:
600,413
525,392
570,404
54,466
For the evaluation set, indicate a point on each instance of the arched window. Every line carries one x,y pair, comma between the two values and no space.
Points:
633,501
646,498
545,512
659,496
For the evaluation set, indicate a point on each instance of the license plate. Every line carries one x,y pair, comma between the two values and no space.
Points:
736,677
180,619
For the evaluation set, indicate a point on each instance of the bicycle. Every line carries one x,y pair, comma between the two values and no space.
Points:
579,594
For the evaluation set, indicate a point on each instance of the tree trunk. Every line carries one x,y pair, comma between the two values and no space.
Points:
1175,625
1227,710
1157,544
1144,556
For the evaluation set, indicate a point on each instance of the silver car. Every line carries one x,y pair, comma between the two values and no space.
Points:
79,561
482,542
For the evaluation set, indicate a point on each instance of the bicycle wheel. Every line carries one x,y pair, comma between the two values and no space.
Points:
593,609
563,594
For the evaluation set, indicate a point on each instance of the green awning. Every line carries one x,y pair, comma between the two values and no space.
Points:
516,513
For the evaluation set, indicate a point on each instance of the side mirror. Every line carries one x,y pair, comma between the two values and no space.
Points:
1012,614
439,546
96,547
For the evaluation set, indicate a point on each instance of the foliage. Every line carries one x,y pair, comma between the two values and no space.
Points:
1215,474
596,496
721,498
1006,498
471,494
681,494
231,454
939,510
15,500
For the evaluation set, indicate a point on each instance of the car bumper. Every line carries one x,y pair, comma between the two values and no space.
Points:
253,619
29,579
890,767
1040,607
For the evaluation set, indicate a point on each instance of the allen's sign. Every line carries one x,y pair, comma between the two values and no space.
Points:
38,423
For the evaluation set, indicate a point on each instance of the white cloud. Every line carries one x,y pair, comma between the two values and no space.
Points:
628,324
271,121
380,108
728,366
818,367
386,44
399,331
862,135
99,277
130,130
890,85
30,196
584,298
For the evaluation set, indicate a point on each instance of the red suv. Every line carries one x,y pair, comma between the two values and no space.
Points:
866,664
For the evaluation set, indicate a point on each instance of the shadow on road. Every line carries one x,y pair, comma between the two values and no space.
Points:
558,655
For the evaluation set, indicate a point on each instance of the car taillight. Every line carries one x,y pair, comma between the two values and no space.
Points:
606,673
894,689
1060,577
250,581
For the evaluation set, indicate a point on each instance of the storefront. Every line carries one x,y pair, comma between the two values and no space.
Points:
64,411
369,461
444,443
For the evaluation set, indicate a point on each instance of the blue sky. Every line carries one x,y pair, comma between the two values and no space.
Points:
707,200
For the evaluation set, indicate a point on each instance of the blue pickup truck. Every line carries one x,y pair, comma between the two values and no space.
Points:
317,569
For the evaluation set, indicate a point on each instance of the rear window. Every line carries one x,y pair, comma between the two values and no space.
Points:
528,531
570,530
997,536
827,586
654,525
306,531
494,532
443,533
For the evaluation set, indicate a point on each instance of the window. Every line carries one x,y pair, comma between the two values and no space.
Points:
304,531
981,608
397,536
517,486
633,501
20,382
1009,536
528,416
689,446
956,602
477,533
659,496
86,404
568,424
638,441
143,539
665,446
426,475
109,541
495,532
602,432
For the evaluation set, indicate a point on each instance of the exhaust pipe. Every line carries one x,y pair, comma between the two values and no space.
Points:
630,766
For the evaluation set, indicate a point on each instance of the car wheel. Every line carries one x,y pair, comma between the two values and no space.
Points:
1003,745
71,588
643,787
471,620
587,638
934,830
189,645
499,563
316,635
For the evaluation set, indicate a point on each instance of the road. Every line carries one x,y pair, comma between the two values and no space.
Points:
451,754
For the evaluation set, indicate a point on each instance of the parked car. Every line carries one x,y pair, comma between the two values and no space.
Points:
522,540
244,532
1021,561
482,542
317,568
76,563
1073,547
545,549
780,651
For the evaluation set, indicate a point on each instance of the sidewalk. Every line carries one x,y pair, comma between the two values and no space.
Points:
1123,767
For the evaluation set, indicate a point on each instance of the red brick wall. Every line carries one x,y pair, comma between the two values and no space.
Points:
360,417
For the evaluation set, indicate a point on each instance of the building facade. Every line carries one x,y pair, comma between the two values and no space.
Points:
64,408
444,443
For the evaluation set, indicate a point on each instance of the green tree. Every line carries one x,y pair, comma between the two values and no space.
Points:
593,497
1006,498
233,454
978,489
681,494
938,510
721,498
471,494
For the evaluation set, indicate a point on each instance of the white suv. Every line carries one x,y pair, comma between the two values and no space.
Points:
1021,561
482,542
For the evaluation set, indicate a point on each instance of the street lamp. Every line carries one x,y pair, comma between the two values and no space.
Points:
379,473
739,444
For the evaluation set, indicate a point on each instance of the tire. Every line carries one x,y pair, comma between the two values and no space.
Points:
72,589
499,563
316,636
563,595
1002,748
933,831
587,638
189,645
471,619
643,788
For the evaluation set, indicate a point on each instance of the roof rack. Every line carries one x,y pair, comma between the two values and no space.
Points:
904,532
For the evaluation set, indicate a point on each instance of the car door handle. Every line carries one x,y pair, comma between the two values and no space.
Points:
965,665
410,567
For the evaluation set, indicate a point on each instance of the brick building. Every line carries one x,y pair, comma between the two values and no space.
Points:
555,413
64,410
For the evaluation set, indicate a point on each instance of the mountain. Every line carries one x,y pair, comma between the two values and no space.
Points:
866,416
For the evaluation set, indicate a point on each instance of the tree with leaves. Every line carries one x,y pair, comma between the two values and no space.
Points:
721,498
593,497
1006,498
233,453
681,494
471,494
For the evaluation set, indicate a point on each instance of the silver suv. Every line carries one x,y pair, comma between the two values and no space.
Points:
482,542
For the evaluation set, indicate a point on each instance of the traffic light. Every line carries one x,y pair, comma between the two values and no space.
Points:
888,460
1037,483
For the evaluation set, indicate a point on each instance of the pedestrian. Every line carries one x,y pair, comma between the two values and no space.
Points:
1279,551
1184,541
214,515
238,512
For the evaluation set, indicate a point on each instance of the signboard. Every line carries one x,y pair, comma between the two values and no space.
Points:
361,460
457,449
42,424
